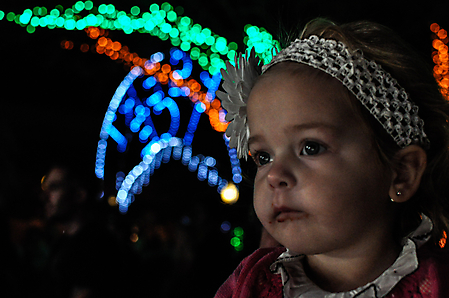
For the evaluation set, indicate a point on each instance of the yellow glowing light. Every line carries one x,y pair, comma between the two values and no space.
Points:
230,194
43,186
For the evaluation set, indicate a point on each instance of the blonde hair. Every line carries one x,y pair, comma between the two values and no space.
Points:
382,45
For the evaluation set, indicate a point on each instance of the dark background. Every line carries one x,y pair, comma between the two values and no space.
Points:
53,103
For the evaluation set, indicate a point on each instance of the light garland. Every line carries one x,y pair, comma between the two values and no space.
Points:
441,58
97,25
189,87
158,149
441,73
164,22
106,17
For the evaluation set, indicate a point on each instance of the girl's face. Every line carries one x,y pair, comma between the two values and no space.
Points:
320,187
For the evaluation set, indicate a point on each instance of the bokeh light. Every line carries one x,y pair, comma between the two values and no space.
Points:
443,240
441,58
237,239
155,79
165,22
225,226
230,194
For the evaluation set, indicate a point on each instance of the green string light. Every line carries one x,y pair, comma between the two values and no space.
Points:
262,41
135,10
164,22
237,239
238,231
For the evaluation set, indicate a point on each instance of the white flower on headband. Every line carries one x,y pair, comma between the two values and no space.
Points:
238,82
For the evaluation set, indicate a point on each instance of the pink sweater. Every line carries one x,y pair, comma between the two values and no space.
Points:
253,277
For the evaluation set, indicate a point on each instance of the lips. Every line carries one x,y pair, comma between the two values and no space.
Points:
284,213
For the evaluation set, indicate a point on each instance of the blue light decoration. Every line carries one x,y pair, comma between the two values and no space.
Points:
140,96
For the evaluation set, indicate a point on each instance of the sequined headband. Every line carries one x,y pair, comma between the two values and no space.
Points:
384,98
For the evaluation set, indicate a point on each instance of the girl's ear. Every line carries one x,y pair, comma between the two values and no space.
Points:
409,165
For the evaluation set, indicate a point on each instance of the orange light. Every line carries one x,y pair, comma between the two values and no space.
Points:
117,51
441,59
216,104
142,62
102,41
93,32
84,48
137,60
436,43
162,78
436,58
196,87
100,49
109,44
150,69
214,119
109,52
166,68
43,186
67,44
434,27
128,57
116,46
125,49
442,34
443,240
115,56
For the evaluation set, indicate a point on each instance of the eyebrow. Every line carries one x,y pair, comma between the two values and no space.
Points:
313,125
299,127
255,139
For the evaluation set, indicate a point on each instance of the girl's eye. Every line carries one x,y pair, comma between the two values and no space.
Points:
312,148
262,158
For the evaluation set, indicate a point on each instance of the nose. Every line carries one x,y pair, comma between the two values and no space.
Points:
281,175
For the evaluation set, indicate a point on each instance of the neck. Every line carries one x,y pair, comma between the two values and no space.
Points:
341,273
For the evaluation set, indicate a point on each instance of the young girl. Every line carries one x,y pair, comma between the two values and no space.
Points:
349,133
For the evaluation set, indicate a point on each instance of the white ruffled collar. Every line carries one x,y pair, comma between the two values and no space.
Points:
296,284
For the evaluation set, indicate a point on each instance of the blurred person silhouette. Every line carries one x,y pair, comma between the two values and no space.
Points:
86,258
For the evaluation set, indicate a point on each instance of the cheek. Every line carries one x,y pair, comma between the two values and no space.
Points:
353,191
261,202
